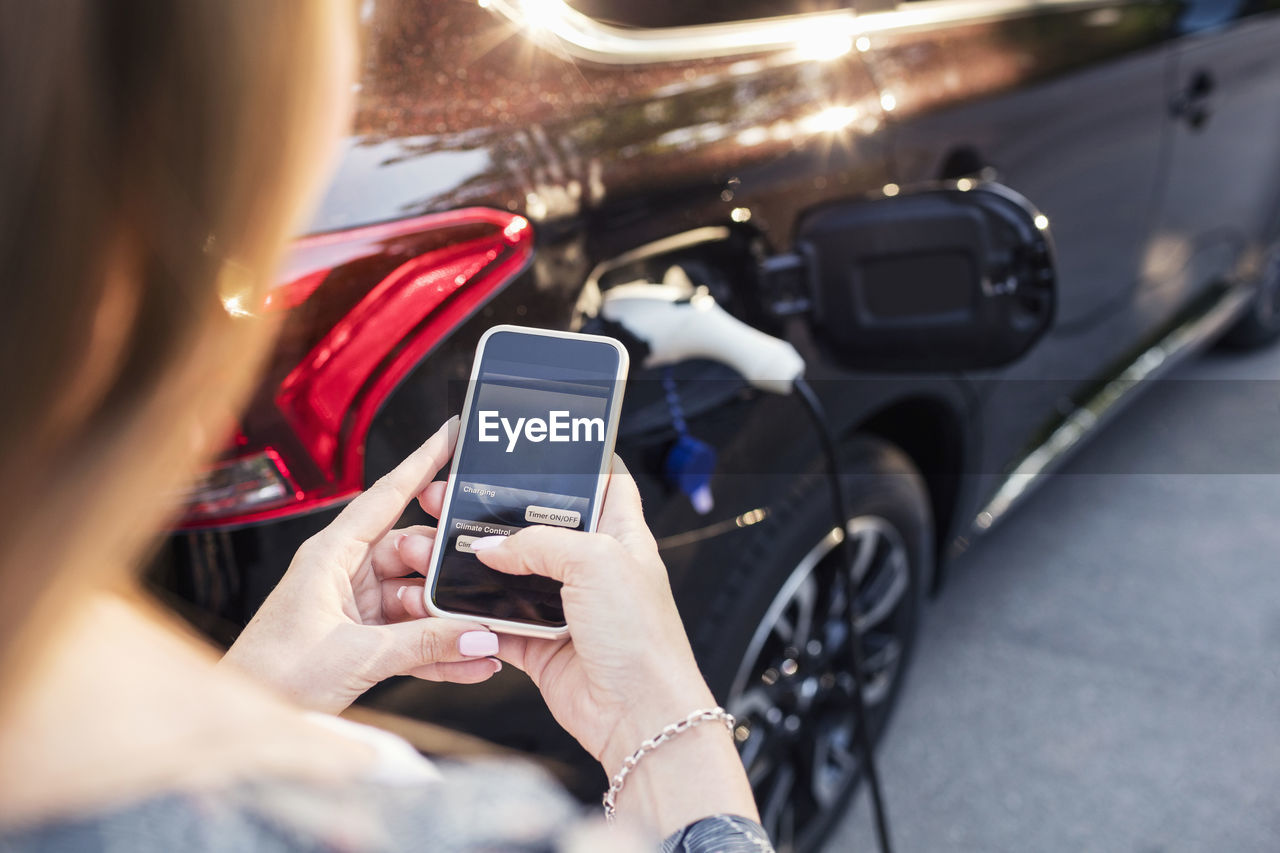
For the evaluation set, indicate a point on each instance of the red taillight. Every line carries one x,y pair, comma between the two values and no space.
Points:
363,308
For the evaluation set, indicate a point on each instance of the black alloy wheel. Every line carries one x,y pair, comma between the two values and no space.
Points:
793,693
785,627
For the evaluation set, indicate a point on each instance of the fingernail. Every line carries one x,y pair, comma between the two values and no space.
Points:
497,664
484,543
423,542
400,592
476,644
399,540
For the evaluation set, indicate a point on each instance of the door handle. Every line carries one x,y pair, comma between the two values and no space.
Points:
1192,103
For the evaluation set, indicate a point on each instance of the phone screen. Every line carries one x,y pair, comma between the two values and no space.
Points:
537,438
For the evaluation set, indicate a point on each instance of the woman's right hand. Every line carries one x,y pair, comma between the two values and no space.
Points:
627,669
627,652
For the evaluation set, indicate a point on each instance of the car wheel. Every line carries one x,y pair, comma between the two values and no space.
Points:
775,643
1260,325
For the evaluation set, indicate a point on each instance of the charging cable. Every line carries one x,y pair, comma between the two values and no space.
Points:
813,406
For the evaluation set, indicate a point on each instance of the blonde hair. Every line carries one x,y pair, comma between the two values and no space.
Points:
154,157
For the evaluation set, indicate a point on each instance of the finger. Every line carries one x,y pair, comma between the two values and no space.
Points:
408,645
621,514
368,518
431,499
551,552
389,555
462,672
402,599
512,648
414,551
528,654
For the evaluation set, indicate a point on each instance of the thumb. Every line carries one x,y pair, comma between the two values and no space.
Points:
404,646
621,515
551,552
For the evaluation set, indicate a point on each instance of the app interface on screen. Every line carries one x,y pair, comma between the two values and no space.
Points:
532,452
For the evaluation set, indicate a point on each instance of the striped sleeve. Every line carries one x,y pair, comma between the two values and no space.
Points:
719,834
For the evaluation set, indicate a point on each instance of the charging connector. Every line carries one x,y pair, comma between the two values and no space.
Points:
679,322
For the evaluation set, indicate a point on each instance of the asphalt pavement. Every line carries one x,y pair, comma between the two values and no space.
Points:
1102,671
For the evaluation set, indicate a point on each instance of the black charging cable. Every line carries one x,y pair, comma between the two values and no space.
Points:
827,437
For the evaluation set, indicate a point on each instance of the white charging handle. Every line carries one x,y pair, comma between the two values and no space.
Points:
679,322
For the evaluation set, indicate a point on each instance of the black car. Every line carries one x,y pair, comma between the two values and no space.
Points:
984,224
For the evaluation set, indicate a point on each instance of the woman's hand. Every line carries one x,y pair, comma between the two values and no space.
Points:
626,670
627,655
337,623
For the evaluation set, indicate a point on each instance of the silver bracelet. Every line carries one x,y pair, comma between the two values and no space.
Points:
610,798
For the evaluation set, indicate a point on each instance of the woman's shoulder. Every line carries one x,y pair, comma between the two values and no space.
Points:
476,805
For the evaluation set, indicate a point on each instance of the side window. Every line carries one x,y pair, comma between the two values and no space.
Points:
656,14
1199,15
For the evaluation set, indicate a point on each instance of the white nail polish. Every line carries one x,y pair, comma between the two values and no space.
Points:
484,543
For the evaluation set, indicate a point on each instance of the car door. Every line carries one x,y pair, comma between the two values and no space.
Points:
1063,103
1219,208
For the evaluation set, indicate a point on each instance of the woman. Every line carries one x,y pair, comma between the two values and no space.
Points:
154,158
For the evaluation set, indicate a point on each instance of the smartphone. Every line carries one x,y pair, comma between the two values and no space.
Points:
535,443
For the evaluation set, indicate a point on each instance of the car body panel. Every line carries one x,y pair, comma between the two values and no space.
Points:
1225,108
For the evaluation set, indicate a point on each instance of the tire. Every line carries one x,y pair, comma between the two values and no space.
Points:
1260,325
794,709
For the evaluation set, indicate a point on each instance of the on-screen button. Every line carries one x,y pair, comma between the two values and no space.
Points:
548,515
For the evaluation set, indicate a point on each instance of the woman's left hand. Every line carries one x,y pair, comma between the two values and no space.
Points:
337,624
